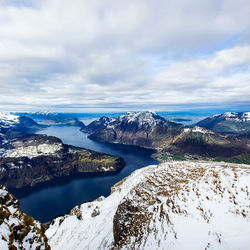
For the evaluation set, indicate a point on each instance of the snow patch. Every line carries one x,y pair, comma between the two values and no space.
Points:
34,151
197,129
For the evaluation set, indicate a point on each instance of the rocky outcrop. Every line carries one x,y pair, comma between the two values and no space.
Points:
33,159
145,129
229,122
18,230
174,205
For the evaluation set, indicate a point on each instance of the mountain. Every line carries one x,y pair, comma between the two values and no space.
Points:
145,129
32,159
18,230
175,205
196,142
13,124
98,124
27,159
172,140
229,122
48,118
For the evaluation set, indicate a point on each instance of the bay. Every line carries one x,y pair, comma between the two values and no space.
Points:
45,201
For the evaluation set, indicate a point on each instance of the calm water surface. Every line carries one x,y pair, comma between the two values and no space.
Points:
58,197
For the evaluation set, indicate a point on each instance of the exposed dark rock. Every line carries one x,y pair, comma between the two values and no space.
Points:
25,165
145,129
18,230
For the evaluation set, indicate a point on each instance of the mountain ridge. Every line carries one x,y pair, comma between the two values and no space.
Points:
228,122
155,206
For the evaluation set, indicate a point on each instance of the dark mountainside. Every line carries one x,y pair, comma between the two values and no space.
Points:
229,123
173,140
29,159
145,129
23,166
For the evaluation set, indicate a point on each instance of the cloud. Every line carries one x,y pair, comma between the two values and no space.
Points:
123,54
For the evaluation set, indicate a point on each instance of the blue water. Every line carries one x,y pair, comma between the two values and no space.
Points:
58,197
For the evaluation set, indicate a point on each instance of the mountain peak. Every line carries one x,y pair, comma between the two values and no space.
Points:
142,118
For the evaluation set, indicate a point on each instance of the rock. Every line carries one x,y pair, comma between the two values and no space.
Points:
35,159
18,230
169,206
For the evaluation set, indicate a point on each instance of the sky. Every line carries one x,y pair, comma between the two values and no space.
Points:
116,55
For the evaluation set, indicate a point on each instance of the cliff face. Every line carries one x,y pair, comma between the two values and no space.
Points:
33,159
176,205
145,129
18,230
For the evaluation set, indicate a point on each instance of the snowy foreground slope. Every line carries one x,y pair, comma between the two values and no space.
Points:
176,205
18,230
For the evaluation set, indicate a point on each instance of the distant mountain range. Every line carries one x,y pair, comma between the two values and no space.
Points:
154,206
27,159
50,118
174,140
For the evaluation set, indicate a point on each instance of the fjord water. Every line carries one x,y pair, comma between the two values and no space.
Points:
58,197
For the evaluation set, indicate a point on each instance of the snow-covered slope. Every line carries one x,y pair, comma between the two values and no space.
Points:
229,122
176,205
18,230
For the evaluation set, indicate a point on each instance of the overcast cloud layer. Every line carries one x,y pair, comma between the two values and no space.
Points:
92,55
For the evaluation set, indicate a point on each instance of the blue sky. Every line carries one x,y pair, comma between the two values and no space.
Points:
91,55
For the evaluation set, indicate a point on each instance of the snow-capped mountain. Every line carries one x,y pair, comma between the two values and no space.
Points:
146,129
175,205
16,123
8,120
229,122
18,230
172,140
98,124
